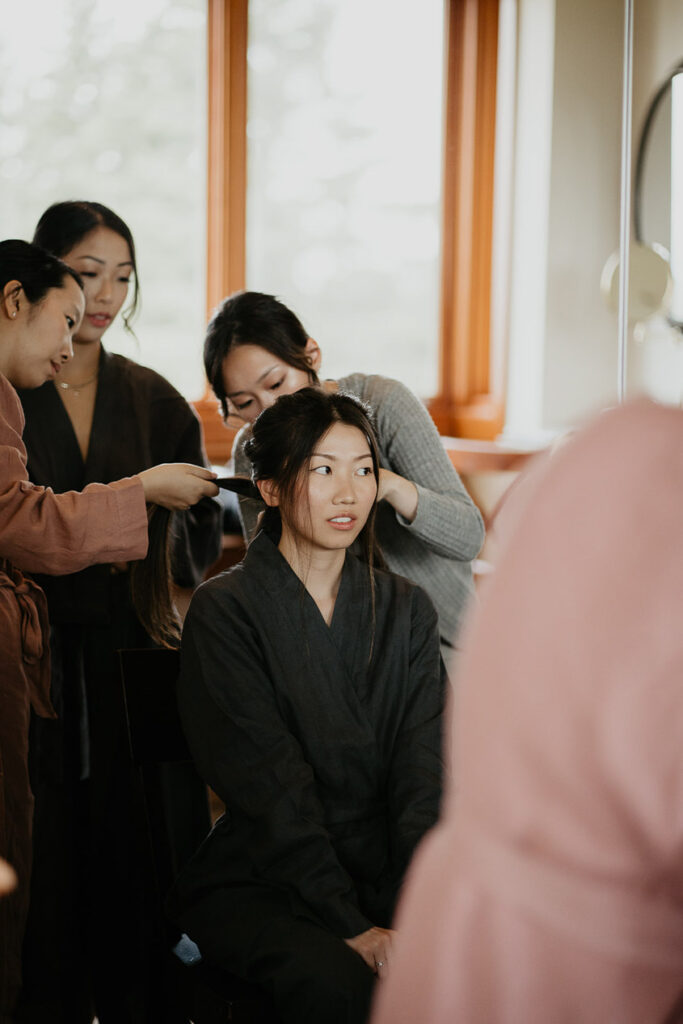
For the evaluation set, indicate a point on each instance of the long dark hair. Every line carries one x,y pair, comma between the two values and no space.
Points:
253,318
64,225
150,582
36,270
282,442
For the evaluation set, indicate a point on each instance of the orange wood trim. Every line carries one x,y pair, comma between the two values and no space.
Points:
465,404
227,181
227,144
218,437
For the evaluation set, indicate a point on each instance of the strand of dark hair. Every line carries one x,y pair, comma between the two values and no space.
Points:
150,583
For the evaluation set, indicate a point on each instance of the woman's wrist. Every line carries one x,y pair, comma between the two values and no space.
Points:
401,494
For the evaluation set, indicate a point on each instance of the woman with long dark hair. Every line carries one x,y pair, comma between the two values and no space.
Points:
90,924
311,692
41,306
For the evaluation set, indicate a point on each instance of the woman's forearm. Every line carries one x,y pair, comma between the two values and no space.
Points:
401,494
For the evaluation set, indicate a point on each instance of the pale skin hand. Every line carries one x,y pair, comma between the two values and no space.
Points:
399,492
374,946
177,485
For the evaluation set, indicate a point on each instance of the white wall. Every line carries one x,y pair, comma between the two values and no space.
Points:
658,45
581,333
562,337
533,114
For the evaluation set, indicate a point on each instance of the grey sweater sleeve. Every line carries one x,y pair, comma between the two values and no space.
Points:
447,519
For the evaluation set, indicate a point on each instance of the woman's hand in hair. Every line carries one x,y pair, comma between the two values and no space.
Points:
374,946
400,493
177,485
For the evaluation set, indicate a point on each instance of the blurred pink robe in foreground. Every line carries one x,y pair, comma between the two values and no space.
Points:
552,889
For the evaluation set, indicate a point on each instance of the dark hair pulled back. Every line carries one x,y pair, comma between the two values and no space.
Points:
253,318
284,438
65,224
36,270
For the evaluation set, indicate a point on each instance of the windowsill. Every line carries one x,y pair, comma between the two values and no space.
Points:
470,456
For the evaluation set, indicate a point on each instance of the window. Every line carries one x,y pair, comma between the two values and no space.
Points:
107,102
469,397
344,134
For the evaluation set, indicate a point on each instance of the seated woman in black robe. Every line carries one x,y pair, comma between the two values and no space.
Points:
311,692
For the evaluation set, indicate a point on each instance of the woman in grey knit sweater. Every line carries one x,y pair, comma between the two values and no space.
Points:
428,528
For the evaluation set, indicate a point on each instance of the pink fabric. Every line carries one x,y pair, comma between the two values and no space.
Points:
41,531
552,890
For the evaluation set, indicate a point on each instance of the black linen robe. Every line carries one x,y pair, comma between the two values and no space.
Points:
139,421
90,918
328,760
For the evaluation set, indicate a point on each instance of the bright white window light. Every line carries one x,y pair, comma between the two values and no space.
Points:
344,177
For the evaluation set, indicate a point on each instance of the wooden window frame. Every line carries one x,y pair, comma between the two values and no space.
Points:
227,23
467,404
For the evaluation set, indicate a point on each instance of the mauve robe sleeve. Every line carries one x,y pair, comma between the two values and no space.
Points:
41,531
248,755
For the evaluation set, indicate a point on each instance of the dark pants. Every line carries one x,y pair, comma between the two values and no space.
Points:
55,972
16,812
24,676
312,976
92,942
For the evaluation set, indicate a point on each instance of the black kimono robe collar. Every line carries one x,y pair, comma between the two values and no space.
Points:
68,469
349,633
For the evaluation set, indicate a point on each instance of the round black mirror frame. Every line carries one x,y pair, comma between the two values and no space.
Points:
640,163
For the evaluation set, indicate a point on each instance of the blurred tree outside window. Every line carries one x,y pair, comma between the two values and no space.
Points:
107,101
345,119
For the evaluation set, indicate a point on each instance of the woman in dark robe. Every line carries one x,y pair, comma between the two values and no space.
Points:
90,931
311,692
41,305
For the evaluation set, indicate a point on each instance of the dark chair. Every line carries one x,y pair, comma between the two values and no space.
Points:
177,817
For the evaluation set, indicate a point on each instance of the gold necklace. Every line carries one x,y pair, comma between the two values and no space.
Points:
76,388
